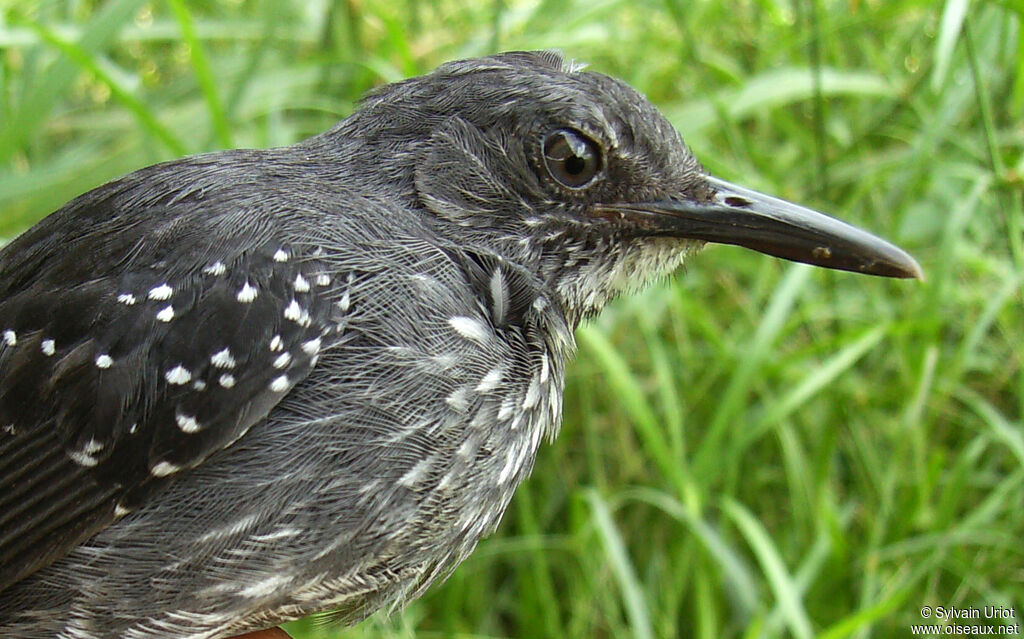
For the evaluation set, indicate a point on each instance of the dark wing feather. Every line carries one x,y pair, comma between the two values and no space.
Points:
136,343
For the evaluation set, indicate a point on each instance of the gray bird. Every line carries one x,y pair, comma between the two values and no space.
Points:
243,387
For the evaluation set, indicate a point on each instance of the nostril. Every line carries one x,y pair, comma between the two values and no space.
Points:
737,201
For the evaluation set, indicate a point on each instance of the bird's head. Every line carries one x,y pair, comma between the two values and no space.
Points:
578,177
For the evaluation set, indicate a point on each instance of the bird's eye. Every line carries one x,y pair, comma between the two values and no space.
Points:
571,158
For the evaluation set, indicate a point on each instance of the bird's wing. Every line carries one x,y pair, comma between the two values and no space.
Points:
130,351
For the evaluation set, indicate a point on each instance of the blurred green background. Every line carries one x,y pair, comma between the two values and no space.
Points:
752,449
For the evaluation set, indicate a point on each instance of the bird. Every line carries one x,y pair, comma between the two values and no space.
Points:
247,386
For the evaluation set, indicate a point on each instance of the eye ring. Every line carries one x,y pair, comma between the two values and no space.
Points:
571,158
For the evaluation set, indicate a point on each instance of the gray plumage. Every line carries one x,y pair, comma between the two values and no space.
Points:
247,386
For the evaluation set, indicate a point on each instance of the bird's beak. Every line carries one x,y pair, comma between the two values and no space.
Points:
740,216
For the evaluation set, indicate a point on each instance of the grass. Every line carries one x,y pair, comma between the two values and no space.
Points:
752,449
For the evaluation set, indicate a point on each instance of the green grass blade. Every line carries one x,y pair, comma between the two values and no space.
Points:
863,619
45,91
618,559
786,592
733,399
204,74
88,62
953,15
627,389
817,380
775,89
1002,429
734,568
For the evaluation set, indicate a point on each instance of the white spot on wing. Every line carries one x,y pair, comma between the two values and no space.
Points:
187,423
554,401
311,347
323,279
48,346
300,284
510,465
277,534
104,361
470,328
247,293
227,381
230,530
507,406
499,297
161,292
217,268
345,302
280,384
83,459
120,511
297,314
516,421
126,298
282,360
276,343
164,469
166,314
178,375
444,361
532,395
280,255
490,381
223,359
10,337
446,481
265,588
458,400
416,473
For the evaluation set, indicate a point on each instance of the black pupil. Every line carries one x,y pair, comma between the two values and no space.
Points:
574,165
571,158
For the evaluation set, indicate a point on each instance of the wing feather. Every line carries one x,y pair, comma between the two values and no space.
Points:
133,351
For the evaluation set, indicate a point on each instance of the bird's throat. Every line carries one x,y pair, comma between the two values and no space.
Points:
586,280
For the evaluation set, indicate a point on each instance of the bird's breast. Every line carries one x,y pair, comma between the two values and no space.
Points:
423,415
